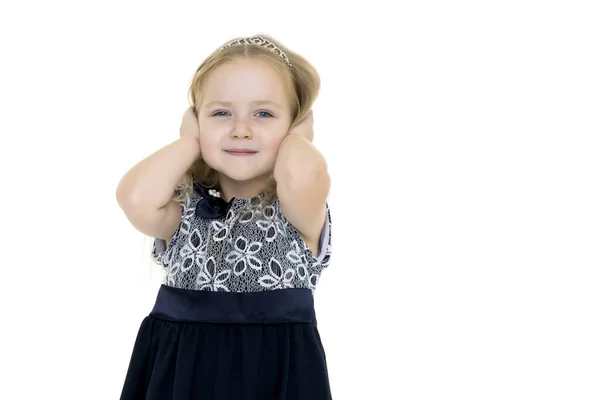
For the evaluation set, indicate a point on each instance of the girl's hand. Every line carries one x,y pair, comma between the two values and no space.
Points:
189,125
305,127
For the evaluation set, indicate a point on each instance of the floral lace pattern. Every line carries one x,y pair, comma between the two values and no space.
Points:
253,248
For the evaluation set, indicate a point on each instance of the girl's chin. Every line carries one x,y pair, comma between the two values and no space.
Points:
244,176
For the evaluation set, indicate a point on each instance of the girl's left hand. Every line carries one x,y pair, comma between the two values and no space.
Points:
305,127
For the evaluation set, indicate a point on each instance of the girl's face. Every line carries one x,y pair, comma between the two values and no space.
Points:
243,118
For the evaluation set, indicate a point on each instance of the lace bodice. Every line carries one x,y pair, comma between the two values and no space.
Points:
252,247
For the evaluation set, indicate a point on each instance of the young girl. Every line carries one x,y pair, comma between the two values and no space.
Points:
238,209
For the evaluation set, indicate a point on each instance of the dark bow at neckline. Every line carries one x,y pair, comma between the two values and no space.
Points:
210,206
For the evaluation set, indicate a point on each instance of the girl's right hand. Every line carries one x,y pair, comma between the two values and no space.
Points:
189,125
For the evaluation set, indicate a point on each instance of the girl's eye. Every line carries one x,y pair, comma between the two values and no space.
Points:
221,114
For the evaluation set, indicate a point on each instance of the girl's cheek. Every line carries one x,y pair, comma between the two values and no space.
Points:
206,140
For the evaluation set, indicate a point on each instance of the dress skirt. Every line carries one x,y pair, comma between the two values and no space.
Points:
228,346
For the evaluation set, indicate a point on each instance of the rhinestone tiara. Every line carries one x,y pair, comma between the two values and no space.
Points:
258,41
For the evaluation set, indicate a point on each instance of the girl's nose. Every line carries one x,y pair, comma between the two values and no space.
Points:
241,131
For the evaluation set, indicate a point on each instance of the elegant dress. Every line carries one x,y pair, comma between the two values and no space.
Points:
234,318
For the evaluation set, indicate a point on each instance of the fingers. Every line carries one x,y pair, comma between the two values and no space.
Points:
309,118
189,124
304,122
188,112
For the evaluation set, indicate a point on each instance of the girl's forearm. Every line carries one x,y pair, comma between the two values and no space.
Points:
151,182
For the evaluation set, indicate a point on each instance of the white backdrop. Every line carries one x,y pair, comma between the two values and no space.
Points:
462,140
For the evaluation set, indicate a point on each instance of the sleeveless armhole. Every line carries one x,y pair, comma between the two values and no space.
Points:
321,259
161,253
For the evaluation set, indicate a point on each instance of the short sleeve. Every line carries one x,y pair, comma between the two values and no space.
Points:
324,254
158,248
322,258
161,253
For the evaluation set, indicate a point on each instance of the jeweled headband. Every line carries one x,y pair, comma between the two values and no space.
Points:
258,41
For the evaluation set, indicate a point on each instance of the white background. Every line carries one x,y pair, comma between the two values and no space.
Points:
462,140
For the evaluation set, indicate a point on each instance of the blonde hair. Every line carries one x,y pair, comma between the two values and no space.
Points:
302,84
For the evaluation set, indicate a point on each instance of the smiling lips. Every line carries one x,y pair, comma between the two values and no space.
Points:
240,152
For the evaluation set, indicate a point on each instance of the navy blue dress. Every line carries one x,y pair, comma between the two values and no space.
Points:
234,318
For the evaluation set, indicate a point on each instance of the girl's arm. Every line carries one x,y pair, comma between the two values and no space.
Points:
302,182
145,191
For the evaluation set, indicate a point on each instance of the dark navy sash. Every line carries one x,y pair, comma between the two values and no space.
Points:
268,307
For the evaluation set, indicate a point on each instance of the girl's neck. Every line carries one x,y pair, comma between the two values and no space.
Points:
230,188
